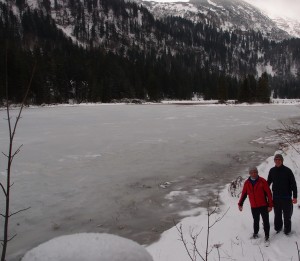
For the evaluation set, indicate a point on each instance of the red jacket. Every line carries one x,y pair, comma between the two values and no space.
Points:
259,194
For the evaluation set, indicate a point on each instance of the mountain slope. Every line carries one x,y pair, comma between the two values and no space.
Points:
226,34
226,15
289,25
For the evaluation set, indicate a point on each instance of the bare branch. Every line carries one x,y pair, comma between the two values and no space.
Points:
5,154
213,211
298,251
291,145
183,241
10,156
16,152
12,237
220,218
218,246
194,252
23,102
262,255
195,248
3,189
180,232
19,211
197,251
289,133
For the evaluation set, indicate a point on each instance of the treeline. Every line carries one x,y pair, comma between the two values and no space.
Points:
72,72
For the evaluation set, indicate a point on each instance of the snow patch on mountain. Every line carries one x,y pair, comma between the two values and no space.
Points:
288,24
33,4
292,26
227,15
261,68
161,9
214,4
294,70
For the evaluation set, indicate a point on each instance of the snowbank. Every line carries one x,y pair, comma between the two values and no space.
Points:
88,247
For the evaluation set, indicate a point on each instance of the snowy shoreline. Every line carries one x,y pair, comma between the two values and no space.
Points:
193,102
231,236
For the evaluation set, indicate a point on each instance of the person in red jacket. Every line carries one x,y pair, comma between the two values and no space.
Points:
260,197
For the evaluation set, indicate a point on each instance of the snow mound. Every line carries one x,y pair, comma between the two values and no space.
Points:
88,247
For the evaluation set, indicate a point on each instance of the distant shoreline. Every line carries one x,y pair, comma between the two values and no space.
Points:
163,102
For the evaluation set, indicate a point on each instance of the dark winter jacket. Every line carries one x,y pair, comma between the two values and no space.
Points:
259,193
283,182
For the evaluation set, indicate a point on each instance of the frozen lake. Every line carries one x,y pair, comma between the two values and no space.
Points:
111,168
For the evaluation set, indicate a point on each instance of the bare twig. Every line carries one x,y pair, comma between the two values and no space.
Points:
1,240
220,218
12,127
180,231
195,248
290,143
217,246
5,154
262,255
10,239
289,133
194,252
3,189
21,210
16,152
209,226
298,251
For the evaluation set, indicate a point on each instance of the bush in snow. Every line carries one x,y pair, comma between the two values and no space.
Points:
235,187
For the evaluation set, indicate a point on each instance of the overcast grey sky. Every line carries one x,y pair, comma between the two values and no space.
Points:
290,8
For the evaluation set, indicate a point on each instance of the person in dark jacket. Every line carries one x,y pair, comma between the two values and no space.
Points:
260,197
284,189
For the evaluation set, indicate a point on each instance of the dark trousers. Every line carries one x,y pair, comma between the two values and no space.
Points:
263,212
285,207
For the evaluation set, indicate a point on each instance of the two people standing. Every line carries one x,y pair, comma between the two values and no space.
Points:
284,189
